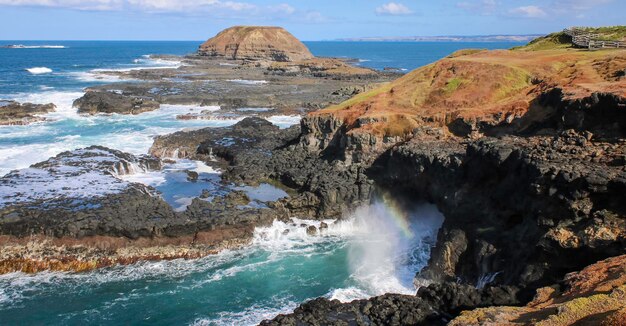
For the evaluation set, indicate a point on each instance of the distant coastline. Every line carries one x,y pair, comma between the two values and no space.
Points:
451,38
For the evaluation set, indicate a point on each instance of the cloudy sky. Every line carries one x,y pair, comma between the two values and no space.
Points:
307,19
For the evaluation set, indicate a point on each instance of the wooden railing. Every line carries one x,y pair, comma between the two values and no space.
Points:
582,38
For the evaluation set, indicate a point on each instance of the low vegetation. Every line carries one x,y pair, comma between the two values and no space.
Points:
560,40
549,42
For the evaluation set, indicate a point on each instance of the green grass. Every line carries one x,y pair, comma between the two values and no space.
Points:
608,33
549,42
453,84
561,41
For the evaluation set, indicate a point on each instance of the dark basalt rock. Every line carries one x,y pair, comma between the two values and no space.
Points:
14,113
94,102
254,150
79,194
531,207
433,305
540,200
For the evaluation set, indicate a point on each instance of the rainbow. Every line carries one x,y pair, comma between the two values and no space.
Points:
398,215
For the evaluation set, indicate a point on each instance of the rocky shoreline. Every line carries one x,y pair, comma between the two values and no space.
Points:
14,113
527,163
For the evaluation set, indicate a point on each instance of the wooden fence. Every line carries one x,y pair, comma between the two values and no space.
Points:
582,38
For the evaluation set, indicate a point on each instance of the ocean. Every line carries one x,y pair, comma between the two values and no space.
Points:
368,254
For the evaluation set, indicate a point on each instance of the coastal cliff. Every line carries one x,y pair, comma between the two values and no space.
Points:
523,152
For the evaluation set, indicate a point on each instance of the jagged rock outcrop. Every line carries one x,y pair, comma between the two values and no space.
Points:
14,113
94,102
529,181
594,296
255,43
90,216
254,150
433,305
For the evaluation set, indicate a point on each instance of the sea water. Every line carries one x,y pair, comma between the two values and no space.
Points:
375,250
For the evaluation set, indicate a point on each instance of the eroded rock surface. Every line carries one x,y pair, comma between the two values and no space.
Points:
90,217
255,43
14,113
594,296
254,151
433,305
109,102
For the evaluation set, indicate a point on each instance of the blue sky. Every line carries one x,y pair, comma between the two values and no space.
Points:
308,20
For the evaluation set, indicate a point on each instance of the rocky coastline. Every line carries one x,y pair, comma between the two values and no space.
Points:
14,113
527,164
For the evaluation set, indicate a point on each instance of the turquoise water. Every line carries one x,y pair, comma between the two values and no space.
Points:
371,253
368,254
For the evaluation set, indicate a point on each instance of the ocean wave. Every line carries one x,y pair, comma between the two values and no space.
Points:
251,315
95,76
150,60
21,46
248,82
39,70
284,121
107,75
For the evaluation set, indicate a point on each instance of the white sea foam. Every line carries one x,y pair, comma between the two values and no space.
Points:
62,100
250,316
21,46
96,76
39,70
133,134
282,236
383,257
362,233
255,109
248,82
108,75
64,179
284,121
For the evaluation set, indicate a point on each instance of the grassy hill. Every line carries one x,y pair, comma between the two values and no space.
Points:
477,87
560,40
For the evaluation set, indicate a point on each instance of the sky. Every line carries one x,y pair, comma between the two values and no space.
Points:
308,20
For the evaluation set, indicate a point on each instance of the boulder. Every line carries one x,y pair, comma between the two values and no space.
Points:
108,102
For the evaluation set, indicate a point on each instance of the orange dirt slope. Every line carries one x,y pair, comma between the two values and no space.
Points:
481,86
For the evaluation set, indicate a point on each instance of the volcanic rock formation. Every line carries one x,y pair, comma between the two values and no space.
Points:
14,113
256,43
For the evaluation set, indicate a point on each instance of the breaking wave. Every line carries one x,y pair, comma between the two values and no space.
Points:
39,70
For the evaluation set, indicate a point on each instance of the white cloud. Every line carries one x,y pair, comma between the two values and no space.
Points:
283,8
139,5
485,7
393,8
76,4
528,12
579,5
314,17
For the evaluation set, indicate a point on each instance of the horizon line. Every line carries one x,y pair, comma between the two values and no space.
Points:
358,38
